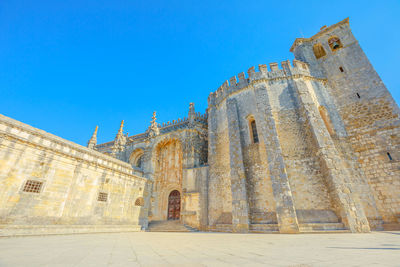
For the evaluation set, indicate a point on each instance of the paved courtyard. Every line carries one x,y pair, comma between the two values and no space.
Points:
202,249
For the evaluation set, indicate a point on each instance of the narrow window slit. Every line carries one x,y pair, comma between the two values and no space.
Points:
389,156
253,129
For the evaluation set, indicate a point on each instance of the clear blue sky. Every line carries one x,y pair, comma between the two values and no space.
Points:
66,66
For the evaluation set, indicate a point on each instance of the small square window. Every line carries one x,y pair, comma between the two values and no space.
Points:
102,197
32,186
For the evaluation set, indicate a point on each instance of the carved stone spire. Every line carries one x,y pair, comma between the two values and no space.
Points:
153,129
121,130
120,140
93,140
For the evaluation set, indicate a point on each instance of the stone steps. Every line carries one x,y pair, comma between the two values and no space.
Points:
322,227
169,226
264,228
226,228
274,228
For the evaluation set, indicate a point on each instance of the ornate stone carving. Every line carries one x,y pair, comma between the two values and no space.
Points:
153,129
120,140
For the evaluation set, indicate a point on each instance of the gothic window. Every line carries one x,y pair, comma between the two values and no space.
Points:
319,50
139,201
253,130
335,43
32,186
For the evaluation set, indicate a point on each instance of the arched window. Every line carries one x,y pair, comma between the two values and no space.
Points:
139,201
319,50
335,43
136,158
253,130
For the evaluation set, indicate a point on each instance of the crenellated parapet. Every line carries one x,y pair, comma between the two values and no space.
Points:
287,70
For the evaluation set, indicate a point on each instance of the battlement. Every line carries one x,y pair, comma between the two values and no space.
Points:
241,81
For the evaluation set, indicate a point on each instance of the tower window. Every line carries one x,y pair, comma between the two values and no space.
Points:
341,69
358,95
319,50
335,43
389,156
253,130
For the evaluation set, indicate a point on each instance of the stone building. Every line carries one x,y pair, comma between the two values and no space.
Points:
312,145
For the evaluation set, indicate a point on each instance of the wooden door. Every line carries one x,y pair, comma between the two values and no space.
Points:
174,205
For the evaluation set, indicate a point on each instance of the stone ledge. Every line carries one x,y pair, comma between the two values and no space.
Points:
27,230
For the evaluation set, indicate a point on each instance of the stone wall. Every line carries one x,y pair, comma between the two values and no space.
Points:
219,184
370,116
299,166
71,177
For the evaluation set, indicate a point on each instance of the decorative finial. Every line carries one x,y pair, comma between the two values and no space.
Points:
121,128
120,140
93,140
153,129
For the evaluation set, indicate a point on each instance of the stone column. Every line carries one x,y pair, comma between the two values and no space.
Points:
345,199
240,206
285,210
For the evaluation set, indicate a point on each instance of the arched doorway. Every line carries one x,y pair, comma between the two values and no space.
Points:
174,205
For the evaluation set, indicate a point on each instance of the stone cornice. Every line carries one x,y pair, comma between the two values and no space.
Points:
299,41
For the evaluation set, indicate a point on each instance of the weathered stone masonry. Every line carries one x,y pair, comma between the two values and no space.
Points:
72,177
310,145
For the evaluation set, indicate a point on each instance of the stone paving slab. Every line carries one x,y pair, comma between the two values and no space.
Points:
202,249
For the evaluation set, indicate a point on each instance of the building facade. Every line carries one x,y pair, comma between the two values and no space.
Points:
310,145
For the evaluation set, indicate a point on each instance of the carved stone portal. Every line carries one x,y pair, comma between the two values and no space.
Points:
168,177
